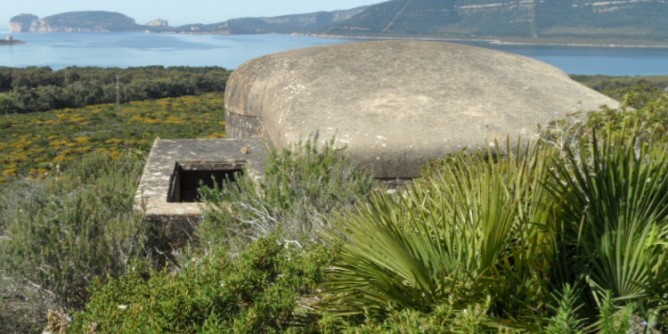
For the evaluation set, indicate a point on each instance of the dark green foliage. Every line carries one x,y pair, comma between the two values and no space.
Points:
644,106
566,319
614,218
619,87
512,229
59,234
302,187
266,287
567,237
257,292
474,230
40,88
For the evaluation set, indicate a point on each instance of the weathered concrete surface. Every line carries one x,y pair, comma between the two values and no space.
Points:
152,194
397,104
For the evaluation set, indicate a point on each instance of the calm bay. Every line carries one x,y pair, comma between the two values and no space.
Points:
59,50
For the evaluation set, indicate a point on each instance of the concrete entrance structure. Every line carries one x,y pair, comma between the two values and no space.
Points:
394,104
398,104
167,191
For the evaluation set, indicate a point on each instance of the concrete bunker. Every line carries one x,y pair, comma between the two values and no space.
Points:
394,105
175,169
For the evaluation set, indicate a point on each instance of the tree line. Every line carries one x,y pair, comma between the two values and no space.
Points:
41,88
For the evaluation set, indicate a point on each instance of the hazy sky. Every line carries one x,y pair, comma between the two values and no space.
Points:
177,11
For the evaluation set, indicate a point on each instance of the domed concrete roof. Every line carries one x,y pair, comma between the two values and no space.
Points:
398,104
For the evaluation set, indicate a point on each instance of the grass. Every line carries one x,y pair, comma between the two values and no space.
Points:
302,187
67,182
60,234
37,144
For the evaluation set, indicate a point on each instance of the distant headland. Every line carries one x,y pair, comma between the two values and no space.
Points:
87,21
590,22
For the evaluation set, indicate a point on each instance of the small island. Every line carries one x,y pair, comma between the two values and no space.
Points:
10,41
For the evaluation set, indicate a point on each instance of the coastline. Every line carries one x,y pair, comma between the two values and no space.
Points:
494,41
643,44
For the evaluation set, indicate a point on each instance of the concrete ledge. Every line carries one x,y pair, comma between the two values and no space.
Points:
167,157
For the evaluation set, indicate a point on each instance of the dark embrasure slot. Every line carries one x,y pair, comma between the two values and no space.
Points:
188,177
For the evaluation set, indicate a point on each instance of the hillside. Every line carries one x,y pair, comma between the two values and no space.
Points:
86,21
288,24
573,20
583,21
539,21
101,21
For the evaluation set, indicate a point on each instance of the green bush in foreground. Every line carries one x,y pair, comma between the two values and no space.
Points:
512,229
265,282
61,233
475,233
614,215
547,240
258,291
529,257
302,187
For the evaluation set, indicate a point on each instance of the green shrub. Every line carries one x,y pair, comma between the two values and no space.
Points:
566,319
513,228
445,318
478,245
479,228
620,87
614,219
301,188
647,108
258,291
63,232
21,309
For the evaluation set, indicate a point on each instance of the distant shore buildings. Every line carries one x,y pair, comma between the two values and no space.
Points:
9,40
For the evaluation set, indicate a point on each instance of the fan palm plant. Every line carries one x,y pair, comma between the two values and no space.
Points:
614,197
513,228
477,227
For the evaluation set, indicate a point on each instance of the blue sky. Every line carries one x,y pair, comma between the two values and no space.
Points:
176,11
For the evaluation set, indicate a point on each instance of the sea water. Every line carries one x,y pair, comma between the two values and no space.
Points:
59,50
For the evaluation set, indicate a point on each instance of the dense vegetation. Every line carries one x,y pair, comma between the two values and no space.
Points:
37,144
40,88
563,235
61,233
636,91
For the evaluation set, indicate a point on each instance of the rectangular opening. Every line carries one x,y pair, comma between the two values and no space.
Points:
188,177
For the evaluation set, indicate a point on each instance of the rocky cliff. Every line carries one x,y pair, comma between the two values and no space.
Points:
89,21
22,22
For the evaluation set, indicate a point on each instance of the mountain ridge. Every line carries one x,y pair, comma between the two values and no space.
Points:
526,19
536,21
